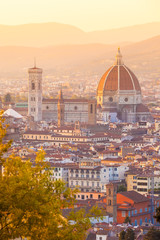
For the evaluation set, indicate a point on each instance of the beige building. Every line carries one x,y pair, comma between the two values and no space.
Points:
142,183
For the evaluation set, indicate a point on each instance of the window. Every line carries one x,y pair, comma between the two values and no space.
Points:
100,238
135,211
91,108
33,86
140,210
110,99
104,170
123,213
129,213
146,209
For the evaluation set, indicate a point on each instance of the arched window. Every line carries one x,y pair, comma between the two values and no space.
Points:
91,108
109,191
33,86
109,202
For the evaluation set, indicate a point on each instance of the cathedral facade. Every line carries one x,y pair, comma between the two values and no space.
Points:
119,95
59,110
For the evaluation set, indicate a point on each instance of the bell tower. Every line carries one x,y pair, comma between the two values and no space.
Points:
111,199
35,93
60,109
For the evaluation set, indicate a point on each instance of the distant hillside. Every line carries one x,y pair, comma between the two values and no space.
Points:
141,56
50,34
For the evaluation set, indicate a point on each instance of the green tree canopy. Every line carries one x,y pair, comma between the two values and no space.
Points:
127,235
122,188
130,235
157,216
153,234
122,235
7,97
31,202
127,220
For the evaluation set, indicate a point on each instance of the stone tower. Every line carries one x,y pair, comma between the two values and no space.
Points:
111,200
35,93
92,110
60,109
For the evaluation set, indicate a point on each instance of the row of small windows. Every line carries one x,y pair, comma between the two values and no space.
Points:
33,109
33,99
44,137
83,171
132,213
67,139
85,176
93,184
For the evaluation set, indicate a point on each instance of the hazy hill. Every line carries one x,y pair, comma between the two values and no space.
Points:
49,34
95,58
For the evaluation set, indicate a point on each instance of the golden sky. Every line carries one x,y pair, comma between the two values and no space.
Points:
88,15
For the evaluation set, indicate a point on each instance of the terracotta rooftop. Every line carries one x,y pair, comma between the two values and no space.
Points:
135,196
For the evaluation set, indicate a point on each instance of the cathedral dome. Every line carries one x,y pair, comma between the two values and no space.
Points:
118,77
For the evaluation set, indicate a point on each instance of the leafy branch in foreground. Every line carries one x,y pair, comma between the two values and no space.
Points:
31,202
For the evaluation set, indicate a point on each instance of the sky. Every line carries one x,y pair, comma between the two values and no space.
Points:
88,15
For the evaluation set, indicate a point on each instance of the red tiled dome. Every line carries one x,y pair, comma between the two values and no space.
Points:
118,77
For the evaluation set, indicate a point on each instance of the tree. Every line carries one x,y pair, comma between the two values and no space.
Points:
127,220
130,235
127,235
152,234
122,235
122,188
31,202
7,97
157,216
